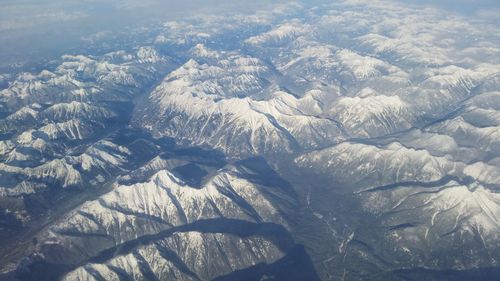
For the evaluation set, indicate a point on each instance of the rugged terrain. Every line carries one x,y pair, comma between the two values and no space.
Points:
350,141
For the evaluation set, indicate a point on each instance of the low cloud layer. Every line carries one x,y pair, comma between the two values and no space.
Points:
32,30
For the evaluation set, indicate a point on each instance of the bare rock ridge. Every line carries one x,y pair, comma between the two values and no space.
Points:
355,140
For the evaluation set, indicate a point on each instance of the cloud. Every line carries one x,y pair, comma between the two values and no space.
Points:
57,26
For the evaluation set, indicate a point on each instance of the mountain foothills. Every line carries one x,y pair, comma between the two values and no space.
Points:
358,140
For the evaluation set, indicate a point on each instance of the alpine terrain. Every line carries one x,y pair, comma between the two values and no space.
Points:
351,140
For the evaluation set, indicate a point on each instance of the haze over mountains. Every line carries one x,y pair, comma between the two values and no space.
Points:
355,140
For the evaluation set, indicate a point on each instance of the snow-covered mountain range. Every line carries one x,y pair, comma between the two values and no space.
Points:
357,140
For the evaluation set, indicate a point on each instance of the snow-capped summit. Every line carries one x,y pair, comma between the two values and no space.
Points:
354,140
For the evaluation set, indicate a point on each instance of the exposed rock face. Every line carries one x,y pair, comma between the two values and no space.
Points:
356,140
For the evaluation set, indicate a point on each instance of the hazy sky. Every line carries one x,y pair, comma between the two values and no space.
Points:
466,7
31,29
